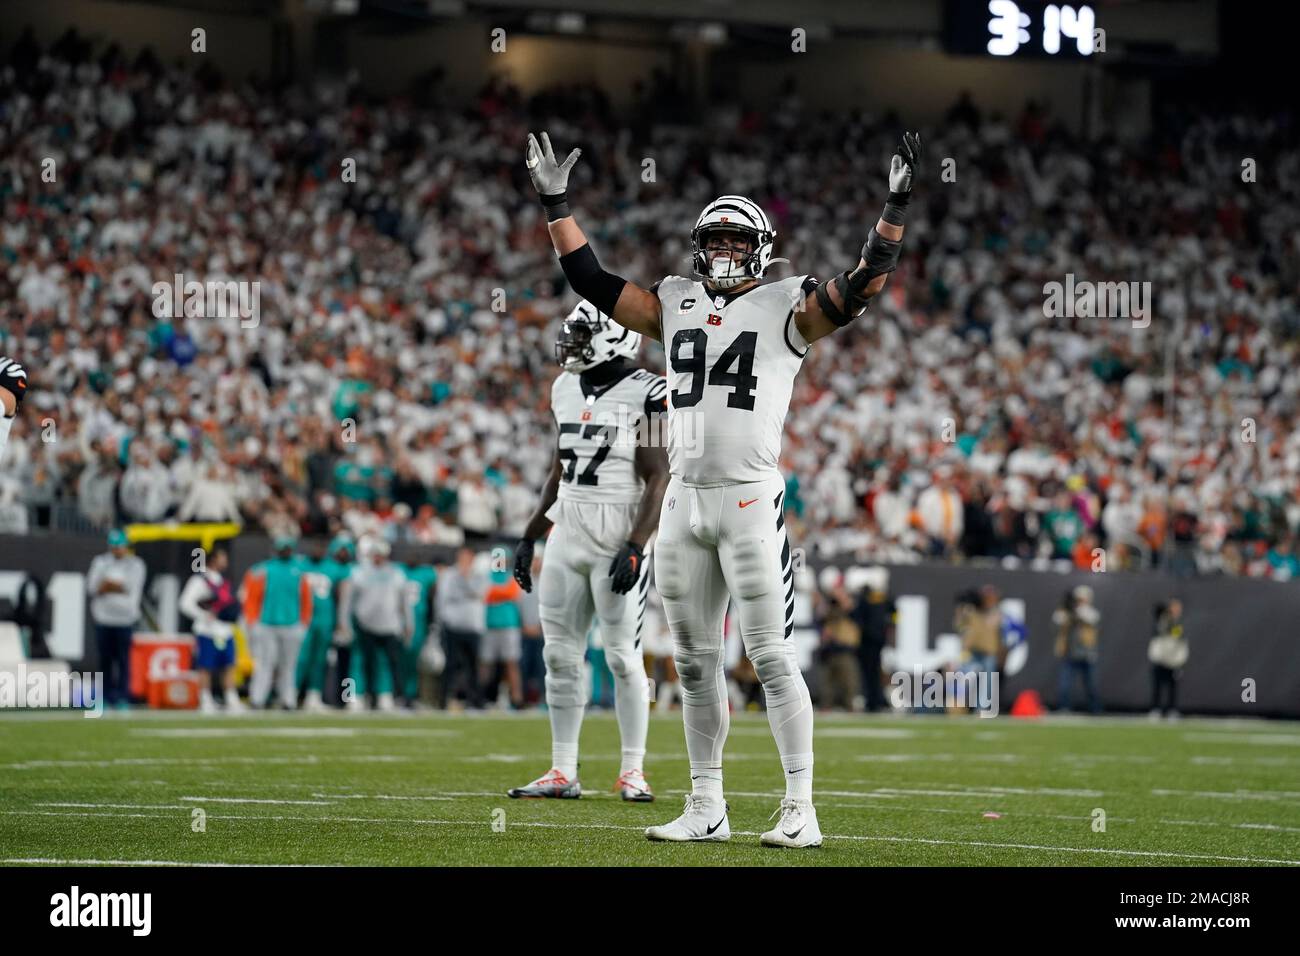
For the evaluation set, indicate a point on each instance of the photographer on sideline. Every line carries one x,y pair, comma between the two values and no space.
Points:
1078,624
1167,653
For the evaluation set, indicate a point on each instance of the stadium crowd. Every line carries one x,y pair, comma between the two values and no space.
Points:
396,379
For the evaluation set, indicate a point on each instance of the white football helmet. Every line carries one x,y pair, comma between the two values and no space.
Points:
732,214
589,337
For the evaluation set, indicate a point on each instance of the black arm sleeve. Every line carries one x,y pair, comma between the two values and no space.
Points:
590,281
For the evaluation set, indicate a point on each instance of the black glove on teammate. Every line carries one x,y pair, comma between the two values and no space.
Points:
626,568
524,563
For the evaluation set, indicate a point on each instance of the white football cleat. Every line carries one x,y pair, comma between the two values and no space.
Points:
553,784
634,787
797,826
704,821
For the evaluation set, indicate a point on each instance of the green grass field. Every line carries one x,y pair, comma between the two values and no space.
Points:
424,789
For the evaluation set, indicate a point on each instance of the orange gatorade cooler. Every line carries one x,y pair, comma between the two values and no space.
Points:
156,657
177,692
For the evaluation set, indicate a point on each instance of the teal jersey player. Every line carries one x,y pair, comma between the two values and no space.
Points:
325,575
423,577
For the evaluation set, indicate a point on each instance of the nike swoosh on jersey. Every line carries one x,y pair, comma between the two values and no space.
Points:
746,504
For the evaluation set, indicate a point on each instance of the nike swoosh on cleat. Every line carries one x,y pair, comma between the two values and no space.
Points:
746,504
710,830
791,836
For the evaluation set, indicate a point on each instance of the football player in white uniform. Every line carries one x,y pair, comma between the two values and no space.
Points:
13,389
734,345
603,497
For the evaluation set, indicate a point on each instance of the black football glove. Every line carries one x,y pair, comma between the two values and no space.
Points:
903,170
906,164
626,568
524,563
13,377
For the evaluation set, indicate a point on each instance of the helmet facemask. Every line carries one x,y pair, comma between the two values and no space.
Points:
589,338
720,265
732,217
573,348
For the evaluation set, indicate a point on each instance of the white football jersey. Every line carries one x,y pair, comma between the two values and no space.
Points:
599,432
732,359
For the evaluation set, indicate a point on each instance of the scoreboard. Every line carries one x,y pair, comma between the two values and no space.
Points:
1015,28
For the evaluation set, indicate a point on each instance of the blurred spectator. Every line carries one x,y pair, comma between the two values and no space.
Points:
277,606
1167,653
97,487
1078,626
875,615
211,497
115,583
476,508
422,581
532,668
41,493
326,575
840,639
145,492
979,622
13,512
500,649
209,601
461,590
939,509
377,602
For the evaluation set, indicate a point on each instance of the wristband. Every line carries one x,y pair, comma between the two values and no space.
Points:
896,208
556,205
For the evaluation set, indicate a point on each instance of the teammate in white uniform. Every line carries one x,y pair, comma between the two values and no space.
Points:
603,497
13,389
734,345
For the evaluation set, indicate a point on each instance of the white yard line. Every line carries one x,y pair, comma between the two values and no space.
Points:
1230,794
1148,854
303,803
186,733
200,761
1260,739
1082,818
47,861
116,806
450,796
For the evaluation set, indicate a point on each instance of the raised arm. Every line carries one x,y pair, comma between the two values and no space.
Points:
836,303
626,303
